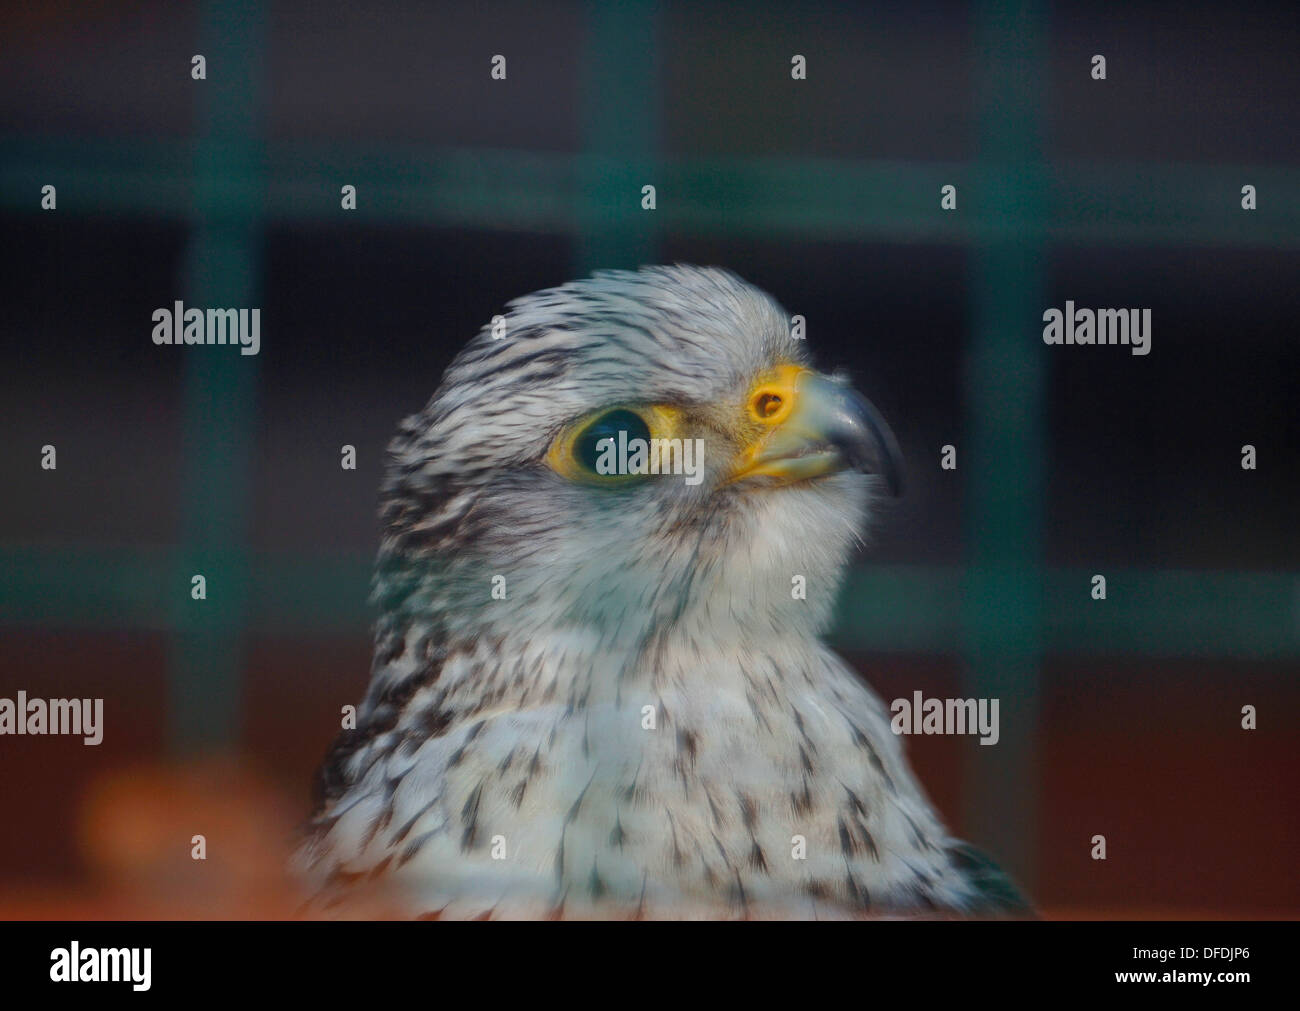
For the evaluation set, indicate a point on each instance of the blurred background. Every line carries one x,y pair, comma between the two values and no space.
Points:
1119,718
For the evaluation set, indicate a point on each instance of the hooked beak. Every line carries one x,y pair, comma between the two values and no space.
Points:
812,426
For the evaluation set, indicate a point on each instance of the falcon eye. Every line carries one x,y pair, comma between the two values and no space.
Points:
767,404
587,447
614,446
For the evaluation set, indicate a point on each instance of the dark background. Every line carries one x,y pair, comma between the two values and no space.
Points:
1120,718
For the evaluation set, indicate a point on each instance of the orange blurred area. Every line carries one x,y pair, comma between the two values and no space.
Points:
207,839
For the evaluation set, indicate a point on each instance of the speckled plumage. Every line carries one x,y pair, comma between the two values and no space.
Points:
518,723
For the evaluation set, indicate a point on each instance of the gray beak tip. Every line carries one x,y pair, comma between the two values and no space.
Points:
873,448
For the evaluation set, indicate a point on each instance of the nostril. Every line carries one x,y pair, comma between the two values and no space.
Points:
768,404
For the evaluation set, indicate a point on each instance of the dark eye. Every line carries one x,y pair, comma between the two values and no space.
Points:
587,446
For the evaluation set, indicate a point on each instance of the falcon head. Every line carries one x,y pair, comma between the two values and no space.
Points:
499,482
543,590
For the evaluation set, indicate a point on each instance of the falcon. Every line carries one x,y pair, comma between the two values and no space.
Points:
605,695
